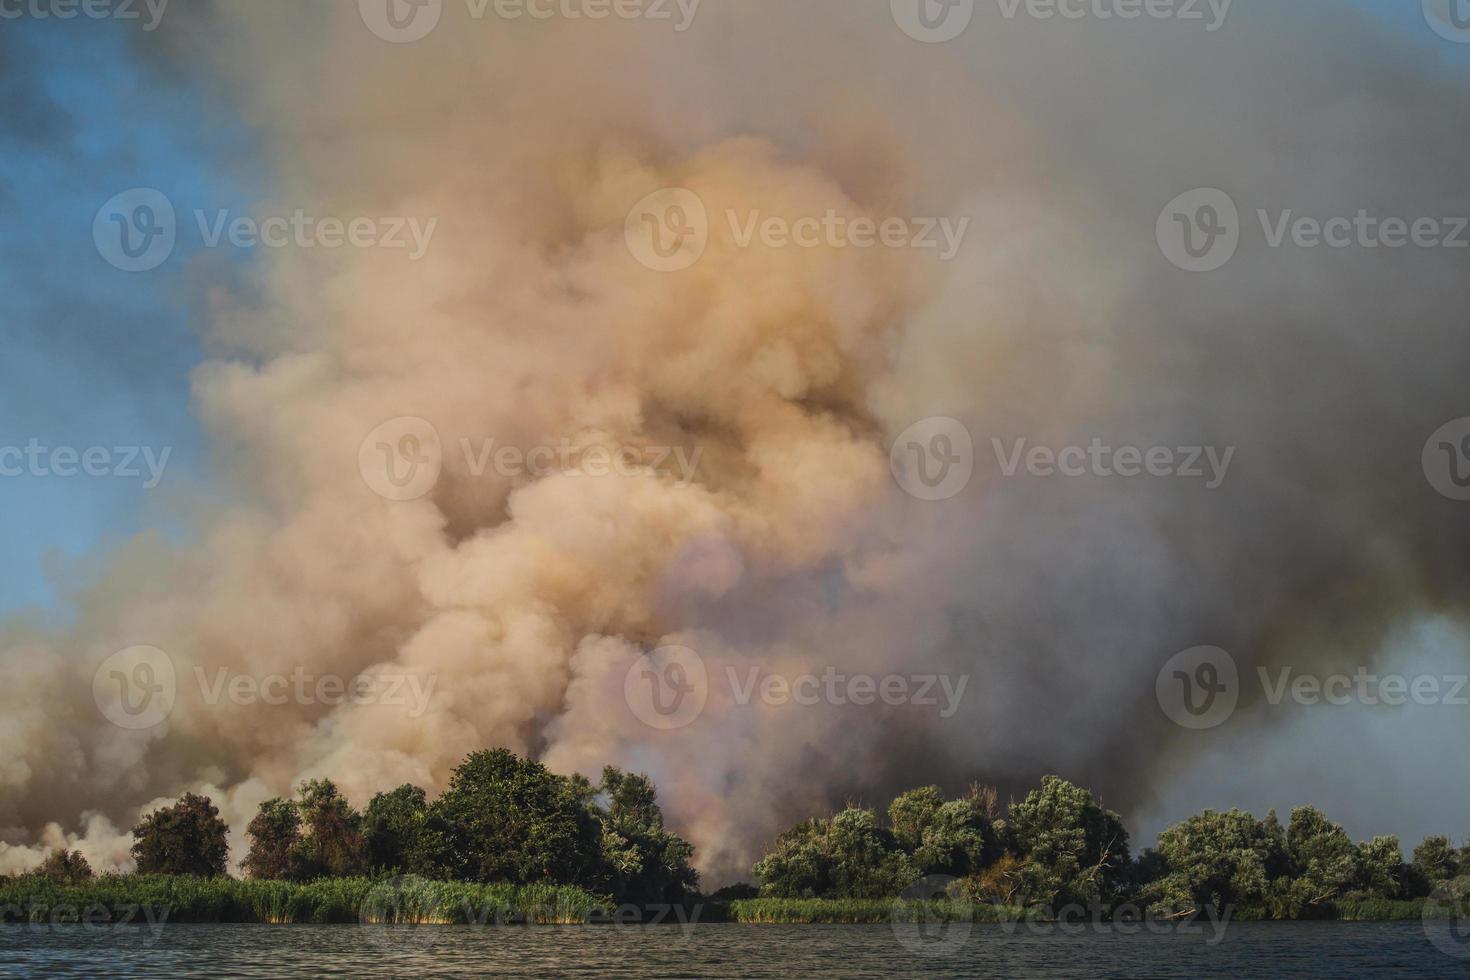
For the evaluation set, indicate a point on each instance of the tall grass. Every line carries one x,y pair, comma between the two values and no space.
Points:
330,900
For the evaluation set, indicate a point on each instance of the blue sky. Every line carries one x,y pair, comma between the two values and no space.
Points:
94,356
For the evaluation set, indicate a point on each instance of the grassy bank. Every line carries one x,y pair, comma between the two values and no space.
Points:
825,911
336,900
836,911
162,898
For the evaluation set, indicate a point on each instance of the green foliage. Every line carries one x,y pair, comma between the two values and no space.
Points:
187,838
911,813
1324,860
396,831
846,856
331,844
66,866
1380,869
640,861
502,819
274,834
317,835
1214,860
327,900
509,819
1076,851
1435,861
1311,869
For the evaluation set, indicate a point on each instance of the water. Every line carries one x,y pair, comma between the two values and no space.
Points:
1300,949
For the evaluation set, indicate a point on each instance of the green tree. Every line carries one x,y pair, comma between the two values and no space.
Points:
641,862
1434,862
911,813
1324,862
397,833
509,819
846,856
1076,851
1214,860
187,838
1380,868
331,843
274,834
66,866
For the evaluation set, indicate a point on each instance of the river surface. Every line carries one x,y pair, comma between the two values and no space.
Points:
1301,949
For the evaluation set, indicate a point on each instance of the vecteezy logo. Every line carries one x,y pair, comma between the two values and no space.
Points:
1199,230
668,230
401,21
927,921
1446,917
933,459
1450,19
1446,459
136,230
135,688
933,21
1199,688
667,688
401,459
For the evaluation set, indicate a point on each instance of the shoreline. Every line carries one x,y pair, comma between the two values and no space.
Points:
120,900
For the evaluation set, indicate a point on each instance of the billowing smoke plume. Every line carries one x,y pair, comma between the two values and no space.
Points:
786,373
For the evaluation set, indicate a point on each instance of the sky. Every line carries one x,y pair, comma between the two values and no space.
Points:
95,356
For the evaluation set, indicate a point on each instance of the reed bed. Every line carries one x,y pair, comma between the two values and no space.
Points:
333,900
840,911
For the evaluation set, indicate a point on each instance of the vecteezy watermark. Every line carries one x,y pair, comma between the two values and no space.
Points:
1127,919
669,231
137,231
933,459
64,462
937,21
933,919
149,11
927,921
1364,687
933,21
1450,19
40,915
1446,917
1098,459
403,458
1200,230
391,688
137,688
1211,13
1199,688
406,21
1446,459
669,688
837,688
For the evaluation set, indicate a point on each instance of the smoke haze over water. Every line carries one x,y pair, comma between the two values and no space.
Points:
788,373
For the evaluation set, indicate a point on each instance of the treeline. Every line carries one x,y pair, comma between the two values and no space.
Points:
1059,846
508,821
502,820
